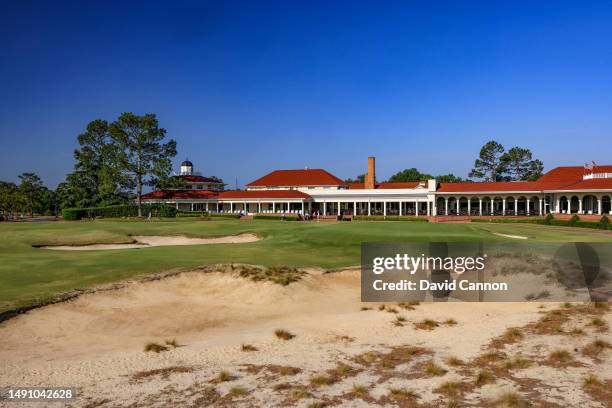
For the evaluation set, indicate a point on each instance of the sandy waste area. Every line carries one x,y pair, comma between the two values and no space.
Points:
144,241
217,347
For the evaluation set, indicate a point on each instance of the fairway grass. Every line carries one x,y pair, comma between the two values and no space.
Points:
30,275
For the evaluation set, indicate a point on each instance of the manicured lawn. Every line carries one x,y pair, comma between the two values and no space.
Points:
29,275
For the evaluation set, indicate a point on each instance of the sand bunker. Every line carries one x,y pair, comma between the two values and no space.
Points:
96,344
144,241
499,234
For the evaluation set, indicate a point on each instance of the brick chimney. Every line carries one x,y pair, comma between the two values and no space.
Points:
370,177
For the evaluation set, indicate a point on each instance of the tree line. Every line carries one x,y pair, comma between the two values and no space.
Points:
494,163
113,163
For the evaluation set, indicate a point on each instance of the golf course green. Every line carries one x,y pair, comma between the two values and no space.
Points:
31,275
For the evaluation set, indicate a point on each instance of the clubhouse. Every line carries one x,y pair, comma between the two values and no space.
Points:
563,190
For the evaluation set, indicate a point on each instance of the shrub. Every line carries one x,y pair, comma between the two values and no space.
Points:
224,215
117,211
574,220
389,218
549,218
604,222
154,347
288,217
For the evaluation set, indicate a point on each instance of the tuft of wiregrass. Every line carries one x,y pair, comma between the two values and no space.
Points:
511,400
248,348
237,392
281,275
154,347
171,343
283,334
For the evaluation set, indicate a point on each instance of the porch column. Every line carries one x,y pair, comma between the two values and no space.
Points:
302,208
245,208
385,208
558,205
369,208
273,207
479,206
504,206
492,207
207,206
338,208
598,205
177,205
427,206
416,208
541,206
446,206
579,205
354,208
469,205
400,208
527,209
231,207
324,208
458,202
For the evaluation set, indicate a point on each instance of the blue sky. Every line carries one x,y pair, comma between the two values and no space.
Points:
248,87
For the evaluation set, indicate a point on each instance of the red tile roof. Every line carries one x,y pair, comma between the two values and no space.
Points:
566,174
489,186
383,186
591,184
307,177
602,169
256,194
179,194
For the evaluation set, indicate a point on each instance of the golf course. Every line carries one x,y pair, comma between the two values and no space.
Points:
31,275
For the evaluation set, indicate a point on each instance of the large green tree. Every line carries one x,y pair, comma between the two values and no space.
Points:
143,155
359,179
33,191
10,198
520,165
97,179
489,165
411,174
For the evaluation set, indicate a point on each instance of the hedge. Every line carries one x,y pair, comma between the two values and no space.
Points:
603,223
289,217
118,211
389,218
189,214
224,215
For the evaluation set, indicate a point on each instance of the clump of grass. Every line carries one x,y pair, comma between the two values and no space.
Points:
513,334
599,324
511,400
483,377
392,310
403,393
321,379
364,308
284,370
450,322
237,391
281,275
281,387
408,305
171,343
248,347
591,380
454,361
283,334
381,307
223,376
299,393
560,356
596,347
433,369
360,389
315,404
154,347
343,369
426,324
399,321
387,363
450,388
517,362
